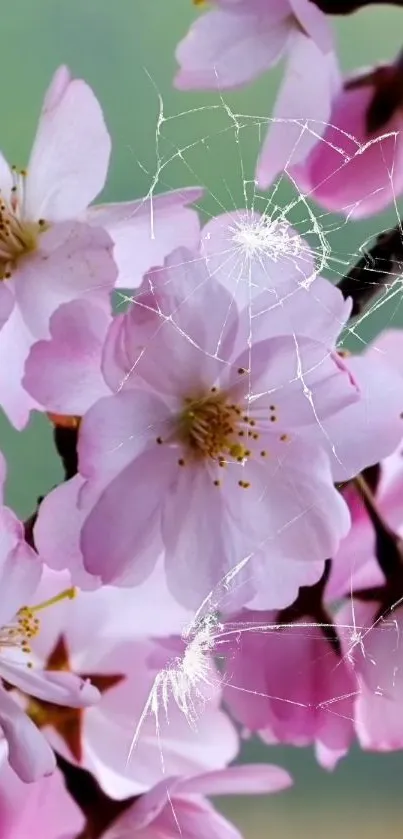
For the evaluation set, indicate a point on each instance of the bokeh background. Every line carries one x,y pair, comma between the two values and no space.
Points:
125,50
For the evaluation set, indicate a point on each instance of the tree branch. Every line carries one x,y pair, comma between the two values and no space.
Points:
374,270
346,7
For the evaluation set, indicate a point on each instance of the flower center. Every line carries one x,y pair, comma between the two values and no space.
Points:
211,427
26,625
18,236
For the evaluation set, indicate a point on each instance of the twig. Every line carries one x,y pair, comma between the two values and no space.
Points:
374,270
345,7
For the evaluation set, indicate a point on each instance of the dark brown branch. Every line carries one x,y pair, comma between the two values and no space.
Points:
99,810
346,7
309,603
65,435
66,445
388,545
374,270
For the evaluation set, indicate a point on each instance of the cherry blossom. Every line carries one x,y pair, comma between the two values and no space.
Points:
348,157
239,39
151,444
21,569
52,248
123,663
289,685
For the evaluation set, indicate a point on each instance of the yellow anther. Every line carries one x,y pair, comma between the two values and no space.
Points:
237,451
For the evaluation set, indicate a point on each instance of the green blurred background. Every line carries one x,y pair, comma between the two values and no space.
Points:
125,50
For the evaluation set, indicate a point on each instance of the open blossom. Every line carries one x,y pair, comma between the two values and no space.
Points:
231,44
131,649
205,423
349,159
54,249
43,810
20,572
289,685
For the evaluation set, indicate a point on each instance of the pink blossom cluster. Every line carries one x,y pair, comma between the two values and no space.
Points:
338,138
223,558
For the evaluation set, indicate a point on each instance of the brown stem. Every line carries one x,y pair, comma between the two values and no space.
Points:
374,270
99,810
309,603
346,7
388,546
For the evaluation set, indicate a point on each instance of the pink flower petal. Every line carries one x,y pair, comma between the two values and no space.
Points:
74,260
15,344
7,301
205,546
145,231
224,49
250,779
302,109
70,155
57,532
164,341
51,686
314,22
44,806
20,567
300,377
277,579
113,539
28,751
349,171
64,373
117,429
251,253
367,431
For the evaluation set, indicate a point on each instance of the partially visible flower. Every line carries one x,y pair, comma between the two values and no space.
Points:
178,804
354,565
20,573
239,39
289,685
52,248
346,148
373,647
113,638
43,810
